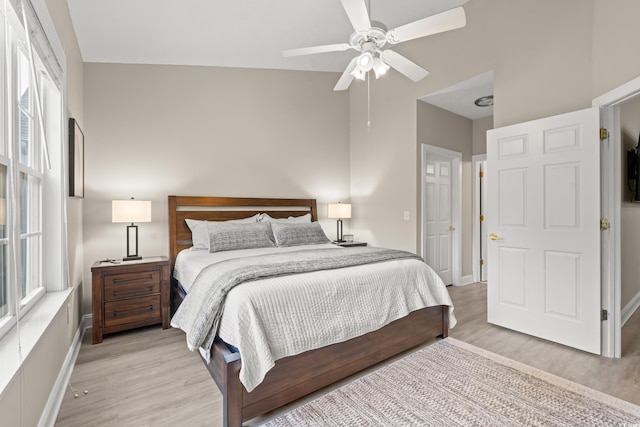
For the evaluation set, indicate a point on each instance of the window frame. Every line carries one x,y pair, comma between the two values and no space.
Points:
47,193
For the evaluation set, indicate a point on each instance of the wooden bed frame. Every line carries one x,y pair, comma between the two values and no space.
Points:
292,377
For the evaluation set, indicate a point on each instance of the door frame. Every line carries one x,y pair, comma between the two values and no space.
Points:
476,228
611,203
456,204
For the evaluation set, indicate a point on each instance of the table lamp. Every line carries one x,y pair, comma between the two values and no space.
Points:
131,211
340,211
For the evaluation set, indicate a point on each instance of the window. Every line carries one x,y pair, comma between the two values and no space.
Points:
30,126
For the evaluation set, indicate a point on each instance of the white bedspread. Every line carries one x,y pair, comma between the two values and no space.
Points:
284,316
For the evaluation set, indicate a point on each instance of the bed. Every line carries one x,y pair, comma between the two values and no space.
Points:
294,376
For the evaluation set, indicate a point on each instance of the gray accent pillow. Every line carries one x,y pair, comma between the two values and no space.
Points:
292,234
200,229
227,237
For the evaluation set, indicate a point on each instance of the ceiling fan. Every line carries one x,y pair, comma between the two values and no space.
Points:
370,37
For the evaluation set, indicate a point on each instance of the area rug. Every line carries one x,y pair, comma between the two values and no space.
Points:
450,383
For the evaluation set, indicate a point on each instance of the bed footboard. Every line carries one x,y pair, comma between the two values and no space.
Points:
296,376
224,368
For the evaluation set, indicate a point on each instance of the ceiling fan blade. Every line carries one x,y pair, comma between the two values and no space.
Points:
357,13
403,65
339,47
438,23
346,78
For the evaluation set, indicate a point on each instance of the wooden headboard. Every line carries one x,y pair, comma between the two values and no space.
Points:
223,209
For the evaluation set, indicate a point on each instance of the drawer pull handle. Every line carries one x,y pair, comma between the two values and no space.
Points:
116,313
149,277
134,292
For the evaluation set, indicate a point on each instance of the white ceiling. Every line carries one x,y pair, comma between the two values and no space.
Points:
460,98
229,33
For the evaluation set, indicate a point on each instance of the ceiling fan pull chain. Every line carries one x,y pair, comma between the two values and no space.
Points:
368,102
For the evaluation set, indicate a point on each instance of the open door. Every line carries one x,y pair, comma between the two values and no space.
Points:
543,215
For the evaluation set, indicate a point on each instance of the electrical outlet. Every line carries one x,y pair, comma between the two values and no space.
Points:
406,215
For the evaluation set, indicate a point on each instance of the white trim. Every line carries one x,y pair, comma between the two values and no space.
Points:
611,184
32,328
618,95
611,203
456,204
42,12
630,308
466,280
87,320
54,403
475,251
30,300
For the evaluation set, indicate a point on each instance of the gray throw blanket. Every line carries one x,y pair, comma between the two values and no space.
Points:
200,312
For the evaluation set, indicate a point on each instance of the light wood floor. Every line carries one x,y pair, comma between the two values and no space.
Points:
145,377
617,377
148,377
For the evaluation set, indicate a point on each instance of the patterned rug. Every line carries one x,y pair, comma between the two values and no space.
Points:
450,383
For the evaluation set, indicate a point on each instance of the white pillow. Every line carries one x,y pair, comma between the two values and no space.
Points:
303,219
200,229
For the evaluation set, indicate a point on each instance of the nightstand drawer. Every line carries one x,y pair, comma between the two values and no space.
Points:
130,285
131,310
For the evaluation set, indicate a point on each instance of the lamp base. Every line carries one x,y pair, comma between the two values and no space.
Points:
132,243
339,241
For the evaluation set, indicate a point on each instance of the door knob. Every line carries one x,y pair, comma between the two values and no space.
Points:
494,236
451,228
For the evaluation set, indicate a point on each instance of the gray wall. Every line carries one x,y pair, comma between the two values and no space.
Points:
444,129
152,131
479,138
548,57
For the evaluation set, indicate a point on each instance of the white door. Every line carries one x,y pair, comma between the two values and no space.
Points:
543,211
438,216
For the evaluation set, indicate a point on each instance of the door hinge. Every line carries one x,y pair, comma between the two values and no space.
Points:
604,315
604,224
481,174
604,134
481,217
481,262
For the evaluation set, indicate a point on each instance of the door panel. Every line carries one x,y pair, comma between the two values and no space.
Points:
543,194
438,217
513,276
512,193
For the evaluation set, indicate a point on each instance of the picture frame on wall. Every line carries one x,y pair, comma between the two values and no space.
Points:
76,159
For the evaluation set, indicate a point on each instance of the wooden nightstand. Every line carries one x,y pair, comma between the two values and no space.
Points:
350,244
129,294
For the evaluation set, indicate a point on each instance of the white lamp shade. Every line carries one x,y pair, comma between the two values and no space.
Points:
131,211
339,210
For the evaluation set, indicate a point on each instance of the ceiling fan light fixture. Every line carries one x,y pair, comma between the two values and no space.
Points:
358,73
380,68
365,61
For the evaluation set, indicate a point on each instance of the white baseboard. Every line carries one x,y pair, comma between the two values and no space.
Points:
630,308
51,409
465,280
87,321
